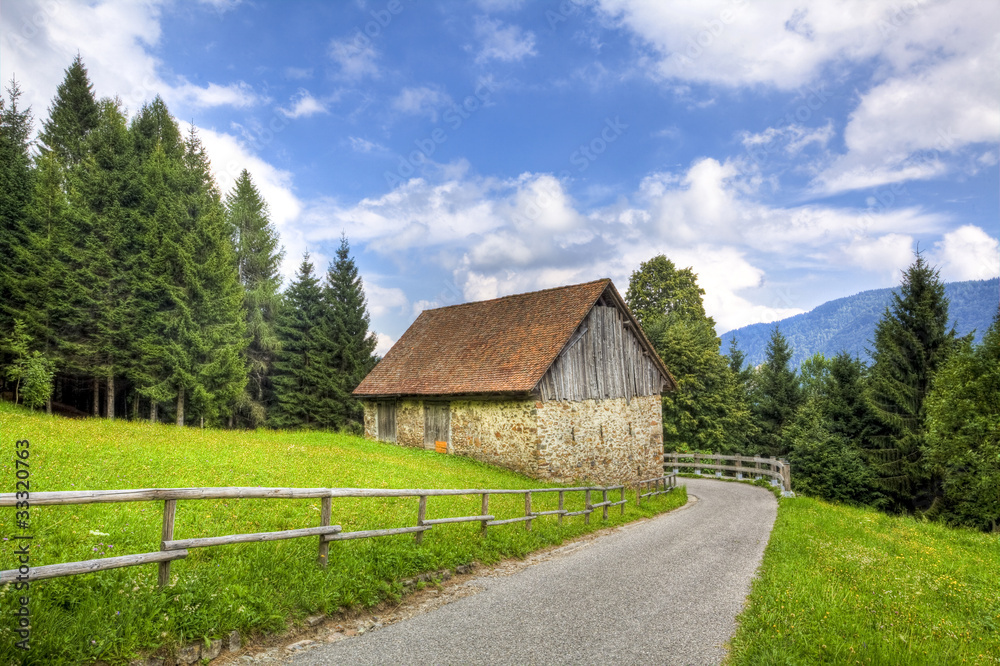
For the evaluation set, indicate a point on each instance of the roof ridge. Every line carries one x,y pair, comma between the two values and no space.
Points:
523,293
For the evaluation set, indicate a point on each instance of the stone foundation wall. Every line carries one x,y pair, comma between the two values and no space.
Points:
498,432
371,419
410,423
603,442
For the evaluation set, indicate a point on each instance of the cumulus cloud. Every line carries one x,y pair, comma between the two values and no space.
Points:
422,101
355,57
40,39
967,253
932,95
506,43
304,105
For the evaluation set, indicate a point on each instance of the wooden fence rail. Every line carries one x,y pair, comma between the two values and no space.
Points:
752,466
173,549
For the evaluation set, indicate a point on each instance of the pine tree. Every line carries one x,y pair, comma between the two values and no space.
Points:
259,259
776,396
297,374
351,346
72,116
16,184
911,341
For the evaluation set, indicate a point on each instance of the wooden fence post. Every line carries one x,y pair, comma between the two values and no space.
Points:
586,500
527,511
486,512
623,499
562,497
421,514
169,509
326,508
638,494
604,499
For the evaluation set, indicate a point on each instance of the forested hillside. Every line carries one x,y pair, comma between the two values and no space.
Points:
848,324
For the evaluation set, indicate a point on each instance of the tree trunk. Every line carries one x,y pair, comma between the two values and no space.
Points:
111,397
152,411
97,396
48,406
230,421
180,408
203,423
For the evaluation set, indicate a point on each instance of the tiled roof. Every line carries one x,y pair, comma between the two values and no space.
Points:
503,345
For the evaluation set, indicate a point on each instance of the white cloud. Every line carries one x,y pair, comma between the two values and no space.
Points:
305,105
889,254
507,43
298,72
792,139
933,91
362,145
383,343
967,253
355,57
236,94
422,101
40,39
384,300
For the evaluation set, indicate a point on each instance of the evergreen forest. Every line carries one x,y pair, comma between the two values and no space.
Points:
132,288
913,428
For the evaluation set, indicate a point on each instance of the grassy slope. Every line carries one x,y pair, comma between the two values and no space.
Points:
846,585
114,615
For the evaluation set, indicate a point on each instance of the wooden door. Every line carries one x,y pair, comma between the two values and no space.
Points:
437,422
386,426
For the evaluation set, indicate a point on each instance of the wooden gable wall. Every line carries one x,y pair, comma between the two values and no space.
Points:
603,359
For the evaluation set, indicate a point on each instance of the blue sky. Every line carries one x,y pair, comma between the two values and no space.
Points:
790,152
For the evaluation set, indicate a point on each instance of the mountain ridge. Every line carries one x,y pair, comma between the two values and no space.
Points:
848,323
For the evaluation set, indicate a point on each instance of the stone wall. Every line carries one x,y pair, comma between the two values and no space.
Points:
498,432
371,419
599,441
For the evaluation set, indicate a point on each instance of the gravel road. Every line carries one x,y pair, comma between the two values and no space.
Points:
661,591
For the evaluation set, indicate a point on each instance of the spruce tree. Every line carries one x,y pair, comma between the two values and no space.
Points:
297,373
16,184
350,343
258,257
776,396
216,293
72,116
912,339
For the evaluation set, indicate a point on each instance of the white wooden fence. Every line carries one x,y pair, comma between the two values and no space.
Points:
740,467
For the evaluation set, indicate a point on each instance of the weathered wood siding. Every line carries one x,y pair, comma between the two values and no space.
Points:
437,422
386,427
604,359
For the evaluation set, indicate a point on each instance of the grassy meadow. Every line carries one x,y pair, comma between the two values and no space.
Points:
845,585
117,615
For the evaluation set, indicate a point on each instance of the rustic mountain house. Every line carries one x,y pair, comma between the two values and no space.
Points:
559,384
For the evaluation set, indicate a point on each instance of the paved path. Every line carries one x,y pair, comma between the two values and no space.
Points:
662,591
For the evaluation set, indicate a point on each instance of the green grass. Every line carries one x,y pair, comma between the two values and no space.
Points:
844,585
117,615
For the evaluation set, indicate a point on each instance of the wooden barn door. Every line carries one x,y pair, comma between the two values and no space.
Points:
386,426
437,419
